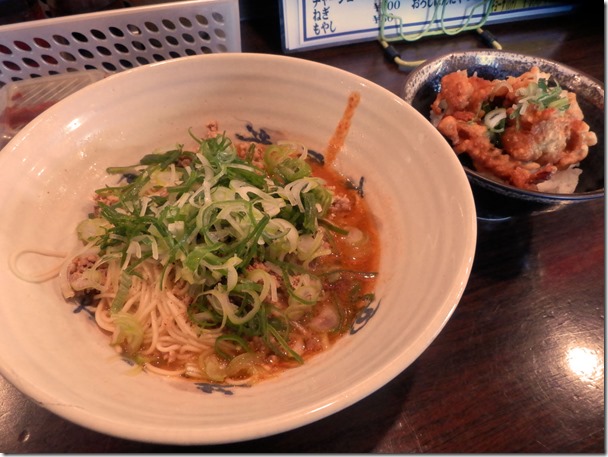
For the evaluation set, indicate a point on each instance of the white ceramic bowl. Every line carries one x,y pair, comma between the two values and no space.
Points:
414,185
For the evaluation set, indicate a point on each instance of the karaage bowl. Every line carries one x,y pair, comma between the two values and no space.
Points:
493,197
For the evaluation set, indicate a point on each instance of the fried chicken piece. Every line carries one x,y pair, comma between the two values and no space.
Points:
461,93
536,142
472,139
549,136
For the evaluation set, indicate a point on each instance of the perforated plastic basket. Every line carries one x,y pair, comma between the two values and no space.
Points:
119,39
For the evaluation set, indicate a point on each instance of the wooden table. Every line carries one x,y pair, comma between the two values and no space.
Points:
520,365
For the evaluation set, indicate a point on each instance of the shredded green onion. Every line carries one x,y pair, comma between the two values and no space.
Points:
541,94
206,216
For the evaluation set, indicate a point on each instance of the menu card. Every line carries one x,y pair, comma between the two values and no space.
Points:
310,24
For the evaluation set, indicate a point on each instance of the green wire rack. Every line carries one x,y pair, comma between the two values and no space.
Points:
436,24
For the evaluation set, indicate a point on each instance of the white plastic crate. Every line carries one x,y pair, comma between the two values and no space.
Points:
117,40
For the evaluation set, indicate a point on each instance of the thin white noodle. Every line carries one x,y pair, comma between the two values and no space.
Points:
103,319
154,327
185,341
173,347
161,371
131,301
178,311
42,276
147,305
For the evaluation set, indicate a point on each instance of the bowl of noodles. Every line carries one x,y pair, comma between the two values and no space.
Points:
529,131
194,255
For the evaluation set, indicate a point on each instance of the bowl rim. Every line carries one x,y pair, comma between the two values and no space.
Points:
413,84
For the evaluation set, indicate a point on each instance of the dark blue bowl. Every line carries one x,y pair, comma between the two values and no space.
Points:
423,84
